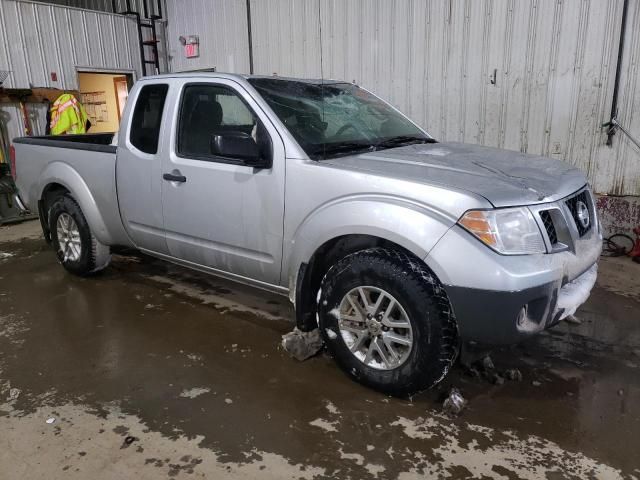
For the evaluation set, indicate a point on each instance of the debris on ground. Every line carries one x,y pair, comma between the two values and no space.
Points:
302,345
487,363
51,420
454,403
325,425
194,392
473,372
485,368
496,379
128,441
572,319
513,374
14,393
535,383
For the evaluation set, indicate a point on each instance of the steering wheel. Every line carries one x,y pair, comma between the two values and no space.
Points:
344,128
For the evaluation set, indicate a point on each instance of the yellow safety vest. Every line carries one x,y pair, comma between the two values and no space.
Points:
68,116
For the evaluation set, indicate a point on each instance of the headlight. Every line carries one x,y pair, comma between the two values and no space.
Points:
510,231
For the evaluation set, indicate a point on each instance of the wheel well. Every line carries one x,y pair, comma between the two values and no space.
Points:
311,274
50,193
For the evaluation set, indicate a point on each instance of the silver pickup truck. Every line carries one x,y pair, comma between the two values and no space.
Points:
395,246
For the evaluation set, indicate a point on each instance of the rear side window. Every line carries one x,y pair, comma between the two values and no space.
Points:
145,124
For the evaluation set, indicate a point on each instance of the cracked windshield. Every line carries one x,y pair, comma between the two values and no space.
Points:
333,119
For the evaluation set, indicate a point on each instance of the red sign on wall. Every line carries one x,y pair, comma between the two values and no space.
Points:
191,50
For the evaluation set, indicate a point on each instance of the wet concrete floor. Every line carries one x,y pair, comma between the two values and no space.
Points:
152,371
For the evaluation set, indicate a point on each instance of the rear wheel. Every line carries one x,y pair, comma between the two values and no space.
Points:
76,247
387,321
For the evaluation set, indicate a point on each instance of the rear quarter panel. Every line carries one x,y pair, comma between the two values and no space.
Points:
88,175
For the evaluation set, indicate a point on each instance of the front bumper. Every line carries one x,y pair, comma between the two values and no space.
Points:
499,299
494,317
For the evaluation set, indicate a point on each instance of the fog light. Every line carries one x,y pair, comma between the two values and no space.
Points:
524,323
522,318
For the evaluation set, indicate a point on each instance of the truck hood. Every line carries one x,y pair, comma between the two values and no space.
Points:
503,177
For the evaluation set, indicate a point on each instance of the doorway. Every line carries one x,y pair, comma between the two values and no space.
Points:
104,96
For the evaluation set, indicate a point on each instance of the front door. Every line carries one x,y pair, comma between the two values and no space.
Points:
139,169
220,212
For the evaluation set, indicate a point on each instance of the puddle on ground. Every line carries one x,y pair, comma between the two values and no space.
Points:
191,367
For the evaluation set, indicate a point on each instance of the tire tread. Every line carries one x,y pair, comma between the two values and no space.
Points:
99,254
431,287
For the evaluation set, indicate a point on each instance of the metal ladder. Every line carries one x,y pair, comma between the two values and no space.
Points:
148,43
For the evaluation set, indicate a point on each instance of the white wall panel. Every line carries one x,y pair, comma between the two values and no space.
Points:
222,27
616,169
37,39
286,37
40,38
554,64
114,48
107,5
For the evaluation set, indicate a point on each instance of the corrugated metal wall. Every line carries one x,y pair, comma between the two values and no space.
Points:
146,9
617,170
36,39
106,5
222,26
553,62
529,75
292,45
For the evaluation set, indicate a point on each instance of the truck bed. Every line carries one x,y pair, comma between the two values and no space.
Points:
83,164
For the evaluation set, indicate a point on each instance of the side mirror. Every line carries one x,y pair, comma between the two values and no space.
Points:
238,145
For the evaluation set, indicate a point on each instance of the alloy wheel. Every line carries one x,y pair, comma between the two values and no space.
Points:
375,327
68,238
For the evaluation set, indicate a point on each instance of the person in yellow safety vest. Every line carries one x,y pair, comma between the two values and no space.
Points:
68,116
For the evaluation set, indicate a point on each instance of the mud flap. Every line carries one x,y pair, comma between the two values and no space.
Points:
44,222
305,305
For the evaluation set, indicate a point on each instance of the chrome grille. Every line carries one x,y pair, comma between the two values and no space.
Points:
574,206
547,221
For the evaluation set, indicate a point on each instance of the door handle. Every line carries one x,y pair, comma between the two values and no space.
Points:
170,177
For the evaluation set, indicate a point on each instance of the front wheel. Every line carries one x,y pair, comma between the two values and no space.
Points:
387,321
76,247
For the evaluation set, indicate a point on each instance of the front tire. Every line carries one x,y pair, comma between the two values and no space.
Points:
387,321
77,249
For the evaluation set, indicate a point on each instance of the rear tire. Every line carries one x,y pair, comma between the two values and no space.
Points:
406,305
77,248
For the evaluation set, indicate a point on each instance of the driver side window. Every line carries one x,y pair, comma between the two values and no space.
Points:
208,110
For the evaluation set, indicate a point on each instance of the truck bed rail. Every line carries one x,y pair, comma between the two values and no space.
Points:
96,142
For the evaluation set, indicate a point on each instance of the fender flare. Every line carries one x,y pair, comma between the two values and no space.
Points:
65,175
413,226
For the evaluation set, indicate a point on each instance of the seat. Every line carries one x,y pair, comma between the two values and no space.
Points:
205,119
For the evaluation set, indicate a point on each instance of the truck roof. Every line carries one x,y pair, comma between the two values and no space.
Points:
207,73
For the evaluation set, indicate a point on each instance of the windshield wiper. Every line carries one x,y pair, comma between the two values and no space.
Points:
344,148
403,140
